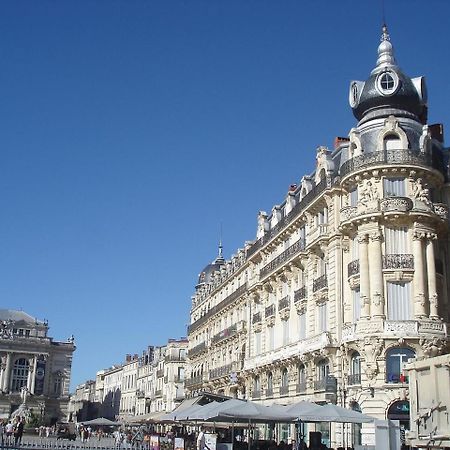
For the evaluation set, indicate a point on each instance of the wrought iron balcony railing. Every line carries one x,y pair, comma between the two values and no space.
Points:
269,392
354,379
269,311
217,308
397,156
221,371
256,318
353,268
256,393
284,390
320,283
300,294
327,384
285,221
197,349
295,248
301,387
224,334
284,303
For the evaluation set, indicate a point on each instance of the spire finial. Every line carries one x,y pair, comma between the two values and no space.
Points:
385,34
385,52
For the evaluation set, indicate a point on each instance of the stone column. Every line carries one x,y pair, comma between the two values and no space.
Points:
376,276
7,374
419,276
431,269
364,280
33,375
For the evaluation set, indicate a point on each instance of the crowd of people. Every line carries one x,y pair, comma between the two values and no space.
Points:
11,431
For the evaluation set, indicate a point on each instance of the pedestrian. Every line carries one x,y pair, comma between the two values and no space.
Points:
9,430
2,432
18,431
201,440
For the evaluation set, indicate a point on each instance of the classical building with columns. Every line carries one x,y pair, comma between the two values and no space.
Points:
347,278
33,367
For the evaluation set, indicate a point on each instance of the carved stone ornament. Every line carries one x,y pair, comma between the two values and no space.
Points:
368,196
421,195
370,349
432,347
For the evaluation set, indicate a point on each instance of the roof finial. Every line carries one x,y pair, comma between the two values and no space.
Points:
385,52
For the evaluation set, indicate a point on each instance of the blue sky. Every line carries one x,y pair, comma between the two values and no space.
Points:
130,130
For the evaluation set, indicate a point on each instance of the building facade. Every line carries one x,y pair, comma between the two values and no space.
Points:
347,278
33,367
137,389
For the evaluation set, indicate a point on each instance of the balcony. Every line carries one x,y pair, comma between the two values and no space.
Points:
217,308
301,387
178,379
194,351
158,393
354,379
284,303
175,358
353,268
256,393
320,283
222,371
348,213
269,311
294,249
284,390
300,294
194,381
398,261
326,384
400,157
256,319
396,204
160,373
140,394
269,392
224,334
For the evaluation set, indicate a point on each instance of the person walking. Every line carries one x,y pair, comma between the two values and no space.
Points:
201,440
18,431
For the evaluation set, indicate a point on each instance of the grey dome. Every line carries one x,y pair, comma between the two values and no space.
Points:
207,272
388,90
406,99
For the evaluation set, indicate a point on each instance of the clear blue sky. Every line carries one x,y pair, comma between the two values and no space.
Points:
131,129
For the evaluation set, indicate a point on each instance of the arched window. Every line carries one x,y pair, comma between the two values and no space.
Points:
20,374
256,386
284,388
269,392
323,369
301,387
355,369
392,142
395,359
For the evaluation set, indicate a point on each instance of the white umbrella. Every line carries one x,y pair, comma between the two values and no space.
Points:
334,413
299,409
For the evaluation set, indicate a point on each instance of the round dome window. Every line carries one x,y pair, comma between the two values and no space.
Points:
387,82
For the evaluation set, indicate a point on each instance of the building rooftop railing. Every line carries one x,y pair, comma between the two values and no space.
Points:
217,308
286,220
397,156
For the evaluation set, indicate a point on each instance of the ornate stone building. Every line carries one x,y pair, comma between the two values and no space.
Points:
32,363
348,277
